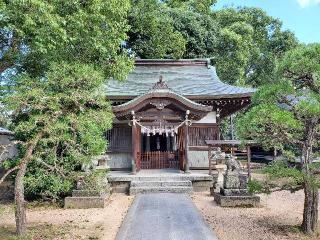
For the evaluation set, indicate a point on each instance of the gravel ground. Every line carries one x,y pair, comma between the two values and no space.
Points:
81,223
277,219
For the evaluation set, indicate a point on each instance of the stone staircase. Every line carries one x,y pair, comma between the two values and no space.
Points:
159,181
158,185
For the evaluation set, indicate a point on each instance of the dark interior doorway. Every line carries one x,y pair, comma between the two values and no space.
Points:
159,151
157,142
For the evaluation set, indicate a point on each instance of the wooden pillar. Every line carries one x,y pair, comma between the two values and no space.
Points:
249,161
186,142
136,145
186,135
134,148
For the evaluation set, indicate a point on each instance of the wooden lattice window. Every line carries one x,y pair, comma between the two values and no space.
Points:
198,133
119,139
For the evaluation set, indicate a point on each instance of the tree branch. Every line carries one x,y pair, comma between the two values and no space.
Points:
52,168
8,173
306,79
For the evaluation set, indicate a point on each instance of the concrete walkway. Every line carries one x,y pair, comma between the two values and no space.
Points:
164,216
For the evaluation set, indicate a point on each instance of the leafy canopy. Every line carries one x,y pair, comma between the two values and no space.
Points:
244,43
85,31
152,34
287,113
61,52
286,116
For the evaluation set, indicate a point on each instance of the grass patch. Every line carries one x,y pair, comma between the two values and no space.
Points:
315,236
42,205
257,171
6,208
38,232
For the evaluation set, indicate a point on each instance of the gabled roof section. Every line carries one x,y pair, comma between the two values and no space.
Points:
161,91
194,78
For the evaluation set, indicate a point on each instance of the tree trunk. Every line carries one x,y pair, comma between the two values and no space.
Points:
311,199
310,212
20,211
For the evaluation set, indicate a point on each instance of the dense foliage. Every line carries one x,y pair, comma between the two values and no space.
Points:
249,44
68,107
244,43
152,34
62,53
286,116
86,31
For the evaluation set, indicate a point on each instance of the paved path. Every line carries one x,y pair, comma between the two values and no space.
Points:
164,216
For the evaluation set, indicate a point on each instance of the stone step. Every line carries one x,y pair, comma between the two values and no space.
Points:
172,189
178,177
161,184
161,178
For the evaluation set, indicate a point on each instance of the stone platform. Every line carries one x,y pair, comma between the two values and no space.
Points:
85,202
237,201
163,180
83,199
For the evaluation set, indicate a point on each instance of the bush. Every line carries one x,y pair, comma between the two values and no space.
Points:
255,186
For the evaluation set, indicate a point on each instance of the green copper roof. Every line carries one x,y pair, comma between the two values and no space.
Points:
185,77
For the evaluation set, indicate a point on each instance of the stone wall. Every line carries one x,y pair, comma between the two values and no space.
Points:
118,161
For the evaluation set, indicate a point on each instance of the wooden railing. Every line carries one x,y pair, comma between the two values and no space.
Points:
159,160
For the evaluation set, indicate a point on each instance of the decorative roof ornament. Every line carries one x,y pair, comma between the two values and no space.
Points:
160,104
160,84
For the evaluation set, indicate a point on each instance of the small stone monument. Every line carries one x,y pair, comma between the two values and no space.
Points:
234,192
88,196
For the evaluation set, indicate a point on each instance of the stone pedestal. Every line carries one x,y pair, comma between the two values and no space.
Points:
83,198
85,202
237,201
234,192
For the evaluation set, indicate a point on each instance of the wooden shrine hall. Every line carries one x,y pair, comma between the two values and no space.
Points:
164,113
